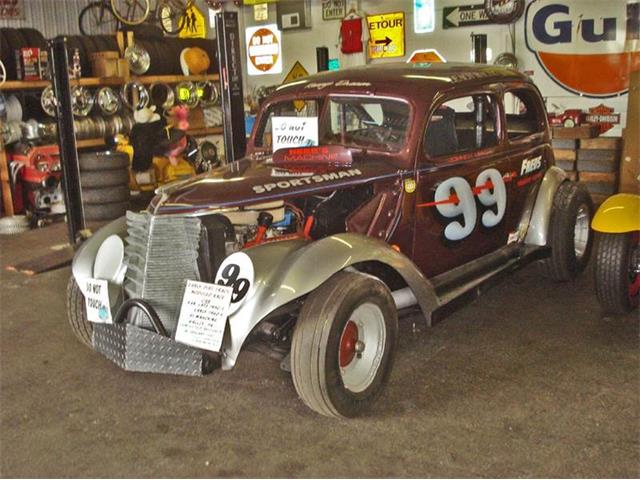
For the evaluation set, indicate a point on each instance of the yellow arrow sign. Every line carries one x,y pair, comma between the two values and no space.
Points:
386,35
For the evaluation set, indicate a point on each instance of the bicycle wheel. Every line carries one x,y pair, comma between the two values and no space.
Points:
97,18
131,12
172,15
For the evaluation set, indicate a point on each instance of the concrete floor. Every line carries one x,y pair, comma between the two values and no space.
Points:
527,381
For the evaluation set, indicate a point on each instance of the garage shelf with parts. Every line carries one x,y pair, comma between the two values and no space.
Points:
364,192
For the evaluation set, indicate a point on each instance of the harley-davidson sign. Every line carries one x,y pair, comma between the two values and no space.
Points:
603,116
585,48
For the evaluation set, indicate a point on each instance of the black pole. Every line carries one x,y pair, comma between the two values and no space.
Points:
229,59
322,59
479,47
67,139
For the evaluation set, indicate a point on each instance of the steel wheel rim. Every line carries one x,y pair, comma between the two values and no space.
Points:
581,231
361,369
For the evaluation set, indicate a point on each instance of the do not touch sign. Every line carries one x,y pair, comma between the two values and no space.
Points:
264,50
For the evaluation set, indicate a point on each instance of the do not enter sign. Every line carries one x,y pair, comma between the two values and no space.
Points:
386,35
264,50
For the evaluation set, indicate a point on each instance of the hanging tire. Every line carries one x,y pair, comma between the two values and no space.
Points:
104,178
570,236
77,315
100,161
343,344
105,211
617,271
98,196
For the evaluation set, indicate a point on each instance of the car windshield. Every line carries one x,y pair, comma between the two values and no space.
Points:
351,121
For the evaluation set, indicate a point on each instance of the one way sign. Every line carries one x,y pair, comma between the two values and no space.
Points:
464,16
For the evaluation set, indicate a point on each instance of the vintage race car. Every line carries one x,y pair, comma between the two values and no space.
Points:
363,192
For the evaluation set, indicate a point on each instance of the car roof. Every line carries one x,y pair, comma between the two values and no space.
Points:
401,79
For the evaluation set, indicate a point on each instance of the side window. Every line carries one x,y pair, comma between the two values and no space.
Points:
524,113
461,125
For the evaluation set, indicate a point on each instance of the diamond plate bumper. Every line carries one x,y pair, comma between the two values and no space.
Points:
135,349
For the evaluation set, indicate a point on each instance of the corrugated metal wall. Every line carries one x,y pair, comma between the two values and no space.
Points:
51,17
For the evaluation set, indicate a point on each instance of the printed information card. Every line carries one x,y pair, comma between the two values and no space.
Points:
203,315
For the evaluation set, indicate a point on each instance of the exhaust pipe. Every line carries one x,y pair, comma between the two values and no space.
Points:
404,298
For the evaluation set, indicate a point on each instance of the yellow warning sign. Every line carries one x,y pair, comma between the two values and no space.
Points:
296,72
194,24
386,35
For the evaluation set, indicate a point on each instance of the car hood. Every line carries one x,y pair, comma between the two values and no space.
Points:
252,181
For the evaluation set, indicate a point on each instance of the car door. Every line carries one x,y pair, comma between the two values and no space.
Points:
464,178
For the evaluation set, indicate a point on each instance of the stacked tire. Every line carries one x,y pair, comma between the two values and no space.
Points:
104,182
12,39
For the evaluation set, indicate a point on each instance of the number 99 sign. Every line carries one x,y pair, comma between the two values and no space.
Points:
455,197
237,272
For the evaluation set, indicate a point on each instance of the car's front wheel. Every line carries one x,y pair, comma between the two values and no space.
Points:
77,314
617,271
343,344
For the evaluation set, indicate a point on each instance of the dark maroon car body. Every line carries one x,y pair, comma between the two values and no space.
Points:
406,217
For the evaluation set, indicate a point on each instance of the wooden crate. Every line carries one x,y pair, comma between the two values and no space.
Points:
598,160
566,165
564,154
601,143
583,131
564,143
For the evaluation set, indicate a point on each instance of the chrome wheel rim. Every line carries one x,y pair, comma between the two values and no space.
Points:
361,349
581,231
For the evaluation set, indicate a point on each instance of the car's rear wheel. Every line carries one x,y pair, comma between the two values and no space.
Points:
570,236
80,326
617,271
343,344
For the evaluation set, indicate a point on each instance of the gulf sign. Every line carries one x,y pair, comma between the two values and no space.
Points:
587,47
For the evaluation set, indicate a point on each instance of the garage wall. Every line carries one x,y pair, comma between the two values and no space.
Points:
453,44
51,17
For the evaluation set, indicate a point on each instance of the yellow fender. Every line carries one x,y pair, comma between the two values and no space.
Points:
618,214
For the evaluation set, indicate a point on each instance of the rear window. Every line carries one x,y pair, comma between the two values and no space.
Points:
524,113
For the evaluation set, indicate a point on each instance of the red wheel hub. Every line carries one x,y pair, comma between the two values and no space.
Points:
348,343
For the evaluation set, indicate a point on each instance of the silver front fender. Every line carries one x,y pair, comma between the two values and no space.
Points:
82,265
538,230
287,270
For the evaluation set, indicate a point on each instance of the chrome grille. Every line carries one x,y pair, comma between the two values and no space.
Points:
161,253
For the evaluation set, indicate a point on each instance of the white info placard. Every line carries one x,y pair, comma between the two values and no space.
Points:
293,132
96,299
203,315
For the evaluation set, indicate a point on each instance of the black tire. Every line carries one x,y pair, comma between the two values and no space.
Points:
33,38
104,178
100,161
13,40
98,196
318,337
93,12
77,315
616,270
77,42
572,205
106,211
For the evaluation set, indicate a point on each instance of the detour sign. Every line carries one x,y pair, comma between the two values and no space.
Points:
386,35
